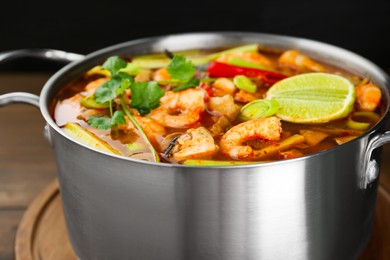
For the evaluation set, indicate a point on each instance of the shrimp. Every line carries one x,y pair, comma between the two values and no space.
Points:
179,109
368,97
143,76
253,57
232,142
153,130
195,143
293,58
161,75
223,86
220,126
244,97
224,106
93,85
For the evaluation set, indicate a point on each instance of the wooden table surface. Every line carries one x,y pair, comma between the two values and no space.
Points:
27,162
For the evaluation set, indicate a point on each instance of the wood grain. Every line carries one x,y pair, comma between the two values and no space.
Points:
27,162
42,232
9,220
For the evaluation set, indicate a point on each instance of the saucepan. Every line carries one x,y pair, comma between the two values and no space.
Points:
319,206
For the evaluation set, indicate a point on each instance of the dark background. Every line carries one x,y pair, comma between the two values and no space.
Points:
86,26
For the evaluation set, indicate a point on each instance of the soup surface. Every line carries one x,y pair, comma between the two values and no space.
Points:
234,106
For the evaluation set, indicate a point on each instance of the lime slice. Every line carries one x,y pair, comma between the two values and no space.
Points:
313,97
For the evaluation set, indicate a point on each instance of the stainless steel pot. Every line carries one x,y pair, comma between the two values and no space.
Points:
319,206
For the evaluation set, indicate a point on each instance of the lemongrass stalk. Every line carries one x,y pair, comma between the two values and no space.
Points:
246,64
149,62
86,137
272,149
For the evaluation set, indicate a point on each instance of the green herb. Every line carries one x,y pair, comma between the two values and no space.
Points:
141,131
107,91
106,123
145,96
181,69
190,84
113,65
125,84
118,118
103,123
112,88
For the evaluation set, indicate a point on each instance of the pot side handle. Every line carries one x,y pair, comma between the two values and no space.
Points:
370,167
45,54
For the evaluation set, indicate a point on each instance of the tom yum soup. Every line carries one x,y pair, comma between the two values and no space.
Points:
235,106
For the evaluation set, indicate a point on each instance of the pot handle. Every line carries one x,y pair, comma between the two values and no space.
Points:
370,167
46,54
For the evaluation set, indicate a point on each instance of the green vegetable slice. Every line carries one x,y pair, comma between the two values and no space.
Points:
155,61
131,69
259,108
90,102
247,64
88,138
244,83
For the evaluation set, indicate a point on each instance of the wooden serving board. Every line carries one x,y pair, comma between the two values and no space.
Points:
42,232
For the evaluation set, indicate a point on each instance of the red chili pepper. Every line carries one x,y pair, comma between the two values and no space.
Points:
219,69
208,91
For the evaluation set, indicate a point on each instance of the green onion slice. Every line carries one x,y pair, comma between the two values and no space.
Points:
245,84
357,125
368,118
259,108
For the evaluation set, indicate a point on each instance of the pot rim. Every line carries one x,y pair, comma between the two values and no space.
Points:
303,42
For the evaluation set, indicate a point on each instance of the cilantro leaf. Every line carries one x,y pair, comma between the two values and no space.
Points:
114,87
190,84
125,84
105,123
107,91
145,96
114,64
181,69
118,118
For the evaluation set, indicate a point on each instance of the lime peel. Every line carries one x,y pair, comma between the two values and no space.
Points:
313,97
